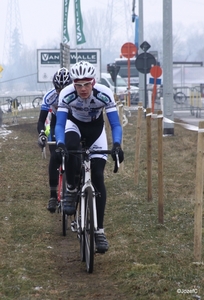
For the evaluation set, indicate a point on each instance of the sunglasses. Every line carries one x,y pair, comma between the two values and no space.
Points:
84,84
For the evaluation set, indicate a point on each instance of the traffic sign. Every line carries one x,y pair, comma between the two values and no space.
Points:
1,68
154,80
129,50
113,69
156,71
145,46
144,62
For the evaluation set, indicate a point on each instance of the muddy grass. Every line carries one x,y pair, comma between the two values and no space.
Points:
146,260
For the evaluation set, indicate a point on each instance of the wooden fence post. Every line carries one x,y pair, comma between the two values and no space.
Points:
149,154
138,141
120,109
160,168
199,194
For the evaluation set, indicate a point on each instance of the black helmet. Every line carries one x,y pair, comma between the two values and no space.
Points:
61,79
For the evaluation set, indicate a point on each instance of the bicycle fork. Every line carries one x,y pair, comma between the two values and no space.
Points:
88,184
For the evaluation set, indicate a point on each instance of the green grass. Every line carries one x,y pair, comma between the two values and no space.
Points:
146,260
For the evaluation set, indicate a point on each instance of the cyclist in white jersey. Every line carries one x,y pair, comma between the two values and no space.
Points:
50,103
79,117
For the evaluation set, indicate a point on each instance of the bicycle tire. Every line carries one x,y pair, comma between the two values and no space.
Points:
180,98
37,101
64,223
80,233
89,230
64,216
77,227
82,244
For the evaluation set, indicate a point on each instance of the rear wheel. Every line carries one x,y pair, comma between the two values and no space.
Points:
89,230
64,223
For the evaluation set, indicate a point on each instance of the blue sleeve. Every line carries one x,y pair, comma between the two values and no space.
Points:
60,127
115,126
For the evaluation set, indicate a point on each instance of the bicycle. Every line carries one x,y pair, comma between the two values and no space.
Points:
85,219
179,97
61,194
85,223
61,190
12,104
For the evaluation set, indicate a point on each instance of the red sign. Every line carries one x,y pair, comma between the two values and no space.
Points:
156,71
128,50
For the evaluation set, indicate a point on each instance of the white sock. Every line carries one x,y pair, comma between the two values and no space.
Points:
100,230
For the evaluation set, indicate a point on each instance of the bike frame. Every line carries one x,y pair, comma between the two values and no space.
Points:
86,165
60,182
87,183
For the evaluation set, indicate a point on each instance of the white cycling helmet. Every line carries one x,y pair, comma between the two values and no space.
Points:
61,78
82,69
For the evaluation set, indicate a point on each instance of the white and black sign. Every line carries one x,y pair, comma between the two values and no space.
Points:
49,61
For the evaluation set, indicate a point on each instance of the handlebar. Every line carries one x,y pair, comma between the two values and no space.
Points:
51,142
90,151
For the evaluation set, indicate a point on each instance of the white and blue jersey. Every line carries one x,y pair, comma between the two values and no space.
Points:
49,104
86,112
50,101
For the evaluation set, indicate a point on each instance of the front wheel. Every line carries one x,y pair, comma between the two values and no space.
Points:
82,247
61,195
89,230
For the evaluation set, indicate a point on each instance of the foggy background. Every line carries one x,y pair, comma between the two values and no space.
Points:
107,25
